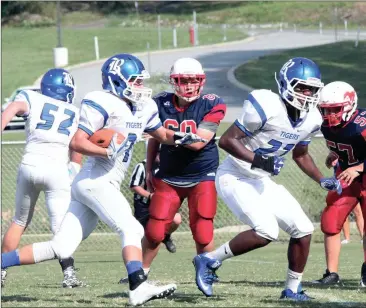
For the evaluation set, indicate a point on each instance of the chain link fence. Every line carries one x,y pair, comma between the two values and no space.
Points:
307,192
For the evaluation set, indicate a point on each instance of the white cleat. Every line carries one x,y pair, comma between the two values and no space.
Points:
3,277
146,292
345,242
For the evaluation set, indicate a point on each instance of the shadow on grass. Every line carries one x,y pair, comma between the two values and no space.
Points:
348,284
313,304
18,298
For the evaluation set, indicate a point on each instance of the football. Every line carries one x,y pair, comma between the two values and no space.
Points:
103,137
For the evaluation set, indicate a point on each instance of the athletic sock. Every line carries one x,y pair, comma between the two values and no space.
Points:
9,259
222,253
293,280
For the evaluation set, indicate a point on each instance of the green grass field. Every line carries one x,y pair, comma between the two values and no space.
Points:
252,280
339,61
23,63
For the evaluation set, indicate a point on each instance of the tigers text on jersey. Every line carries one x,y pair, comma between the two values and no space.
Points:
179,165
49,128
349,141
100,109
269,130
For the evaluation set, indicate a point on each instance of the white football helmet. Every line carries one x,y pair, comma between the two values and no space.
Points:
338,102
187,78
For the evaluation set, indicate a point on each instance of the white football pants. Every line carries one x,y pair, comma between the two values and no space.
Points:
262,204
94,197
53,180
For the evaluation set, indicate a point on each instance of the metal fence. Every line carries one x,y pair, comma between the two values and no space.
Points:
308,193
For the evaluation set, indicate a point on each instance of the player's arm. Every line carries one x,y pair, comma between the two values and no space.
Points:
81,144
303,159
209,125
230,142
152,151
19,107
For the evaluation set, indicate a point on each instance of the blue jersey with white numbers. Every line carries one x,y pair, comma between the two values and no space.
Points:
348,142
180,164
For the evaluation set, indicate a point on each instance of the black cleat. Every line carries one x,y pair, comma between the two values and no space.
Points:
363,275
169,244
329,279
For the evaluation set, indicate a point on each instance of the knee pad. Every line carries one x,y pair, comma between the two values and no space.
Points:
334,216
62,250
132,234
269,231
156,230
202,231
302,229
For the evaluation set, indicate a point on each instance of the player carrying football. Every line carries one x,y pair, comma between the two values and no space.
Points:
185,172
125,106
344,129
269,127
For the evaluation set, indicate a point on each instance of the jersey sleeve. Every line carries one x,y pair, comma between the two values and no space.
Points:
23,96
213,117
315,128
153,123
93,116
253,116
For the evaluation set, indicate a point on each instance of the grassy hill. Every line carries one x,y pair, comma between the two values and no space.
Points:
338,61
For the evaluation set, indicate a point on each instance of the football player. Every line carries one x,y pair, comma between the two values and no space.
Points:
269,127
126,107
185,172
344,129
51,122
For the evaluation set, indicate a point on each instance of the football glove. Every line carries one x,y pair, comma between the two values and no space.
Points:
115,148
331,184
271,164
187,138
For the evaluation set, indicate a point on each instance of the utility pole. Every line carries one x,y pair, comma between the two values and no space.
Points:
58,13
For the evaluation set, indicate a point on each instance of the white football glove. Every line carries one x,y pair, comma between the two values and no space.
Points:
74,169
187,138
115,148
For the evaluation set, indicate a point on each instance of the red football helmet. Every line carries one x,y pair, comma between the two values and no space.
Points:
338,102
187,78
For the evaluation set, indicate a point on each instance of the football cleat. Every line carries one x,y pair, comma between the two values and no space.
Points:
169,244
146,292
205,273
70,279
363,275
329,279
300,296
3,277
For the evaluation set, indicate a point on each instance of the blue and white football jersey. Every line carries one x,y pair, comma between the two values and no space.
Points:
270,131
101,109
49,128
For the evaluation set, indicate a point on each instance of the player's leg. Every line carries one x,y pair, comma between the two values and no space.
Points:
333,217
363,209
168,240
25,200
244,199
202,204
292,219
111,206
77,225
26,196
58,197
163,207
359,219
346,232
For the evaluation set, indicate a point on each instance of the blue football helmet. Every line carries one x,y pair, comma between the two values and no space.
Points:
58,84
298,75
123,75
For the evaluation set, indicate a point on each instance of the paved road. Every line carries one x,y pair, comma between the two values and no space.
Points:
216,60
